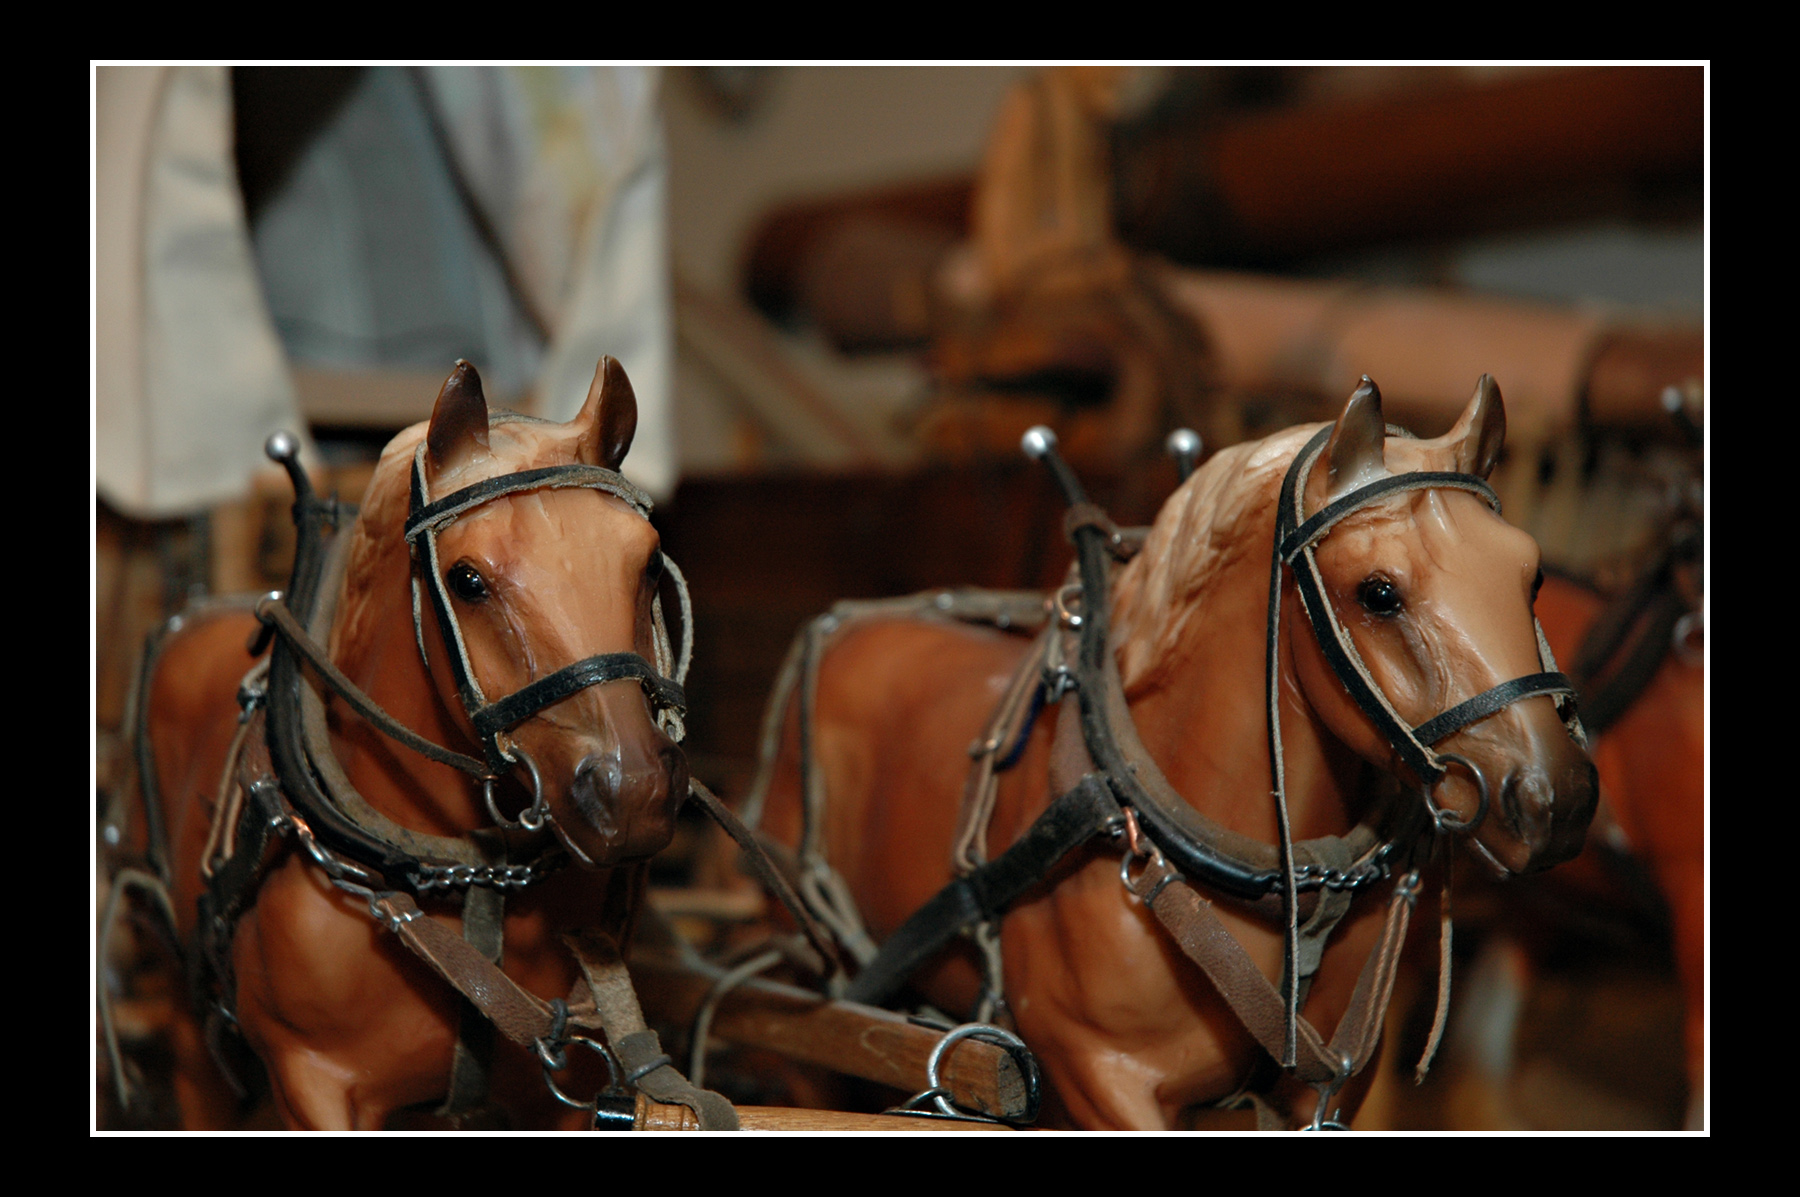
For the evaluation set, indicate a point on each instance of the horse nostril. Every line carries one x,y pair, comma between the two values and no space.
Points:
598,781
1510,812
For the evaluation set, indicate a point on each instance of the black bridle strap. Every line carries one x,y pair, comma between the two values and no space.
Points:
1490,702
435,516
429,517
570,680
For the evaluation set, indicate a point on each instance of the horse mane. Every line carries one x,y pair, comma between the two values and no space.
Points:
1219,516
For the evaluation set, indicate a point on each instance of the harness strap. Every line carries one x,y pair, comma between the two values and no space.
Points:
274,613
1258,1005
636,1046
611,1005
770,875
1066,824
1489,702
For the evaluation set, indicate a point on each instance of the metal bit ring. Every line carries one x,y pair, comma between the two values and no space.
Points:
1448,821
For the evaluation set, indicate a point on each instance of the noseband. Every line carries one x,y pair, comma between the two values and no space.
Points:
427,518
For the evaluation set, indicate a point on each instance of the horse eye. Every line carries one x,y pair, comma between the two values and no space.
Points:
1379,596
1537,583
653,568
466,583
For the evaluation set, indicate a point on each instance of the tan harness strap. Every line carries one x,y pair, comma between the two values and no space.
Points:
639,1051
609,1004
1258,1005
520,1015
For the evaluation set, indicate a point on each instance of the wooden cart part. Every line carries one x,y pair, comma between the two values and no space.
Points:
655,1116
860,1041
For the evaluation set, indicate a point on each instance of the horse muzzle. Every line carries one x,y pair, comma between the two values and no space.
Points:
626,797
1541,813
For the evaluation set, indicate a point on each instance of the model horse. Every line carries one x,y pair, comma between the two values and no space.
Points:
496,753
1351,582
1645,683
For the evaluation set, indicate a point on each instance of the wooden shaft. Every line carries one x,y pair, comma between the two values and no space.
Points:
861,1041
655,1116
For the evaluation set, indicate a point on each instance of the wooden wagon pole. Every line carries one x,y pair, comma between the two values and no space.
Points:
655,1116
857,1040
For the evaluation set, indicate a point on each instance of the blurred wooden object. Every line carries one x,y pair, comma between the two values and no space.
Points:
1054,310
1045,302
1560,368
1518,150
1453,155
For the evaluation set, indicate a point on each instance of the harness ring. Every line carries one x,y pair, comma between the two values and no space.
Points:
1448,821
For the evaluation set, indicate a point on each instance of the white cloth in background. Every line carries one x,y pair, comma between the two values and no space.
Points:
571,167
367,258
189,376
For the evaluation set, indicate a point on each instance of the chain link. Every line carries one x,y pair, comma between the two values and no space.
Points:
510,876
1322,877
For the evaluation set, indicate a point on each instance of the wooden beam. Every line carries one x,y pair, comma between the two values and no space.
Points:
861,1041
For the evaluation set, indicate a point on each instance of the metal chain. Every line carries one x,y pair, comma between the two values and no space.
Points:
511,876
1357,877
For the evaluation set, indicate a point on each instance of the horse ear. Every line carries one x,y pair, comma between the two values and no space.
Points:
459,421
1481,430
1356,451
609,417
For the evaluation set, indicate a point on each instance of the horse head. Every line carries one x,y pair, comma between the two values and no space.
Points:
551,592
1434,592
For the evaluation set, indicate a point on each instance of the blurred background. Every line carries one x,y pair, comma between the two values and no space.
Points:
842,293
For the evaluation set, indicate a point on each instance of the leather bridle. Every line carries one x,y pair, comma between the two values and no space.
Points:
427,518
1295,543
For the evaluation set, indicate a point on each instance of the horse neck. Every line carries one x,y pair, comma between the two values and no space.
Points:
1202,710
374,643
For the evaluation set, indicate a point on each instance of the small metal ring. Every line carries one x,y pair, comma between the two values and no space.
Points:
1448,821
1059,605
612,1072
991,1033
533,817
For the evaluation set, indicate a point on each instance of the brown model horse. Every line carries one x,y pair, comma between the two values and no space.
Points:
1652,763
351,1026
1436,593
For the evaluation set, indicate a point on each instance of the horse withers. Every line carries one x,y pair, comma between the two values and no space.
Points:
498,597
1429,595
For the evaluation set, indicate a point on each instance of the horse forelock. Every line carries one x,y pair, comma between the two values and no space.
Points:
1219,517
